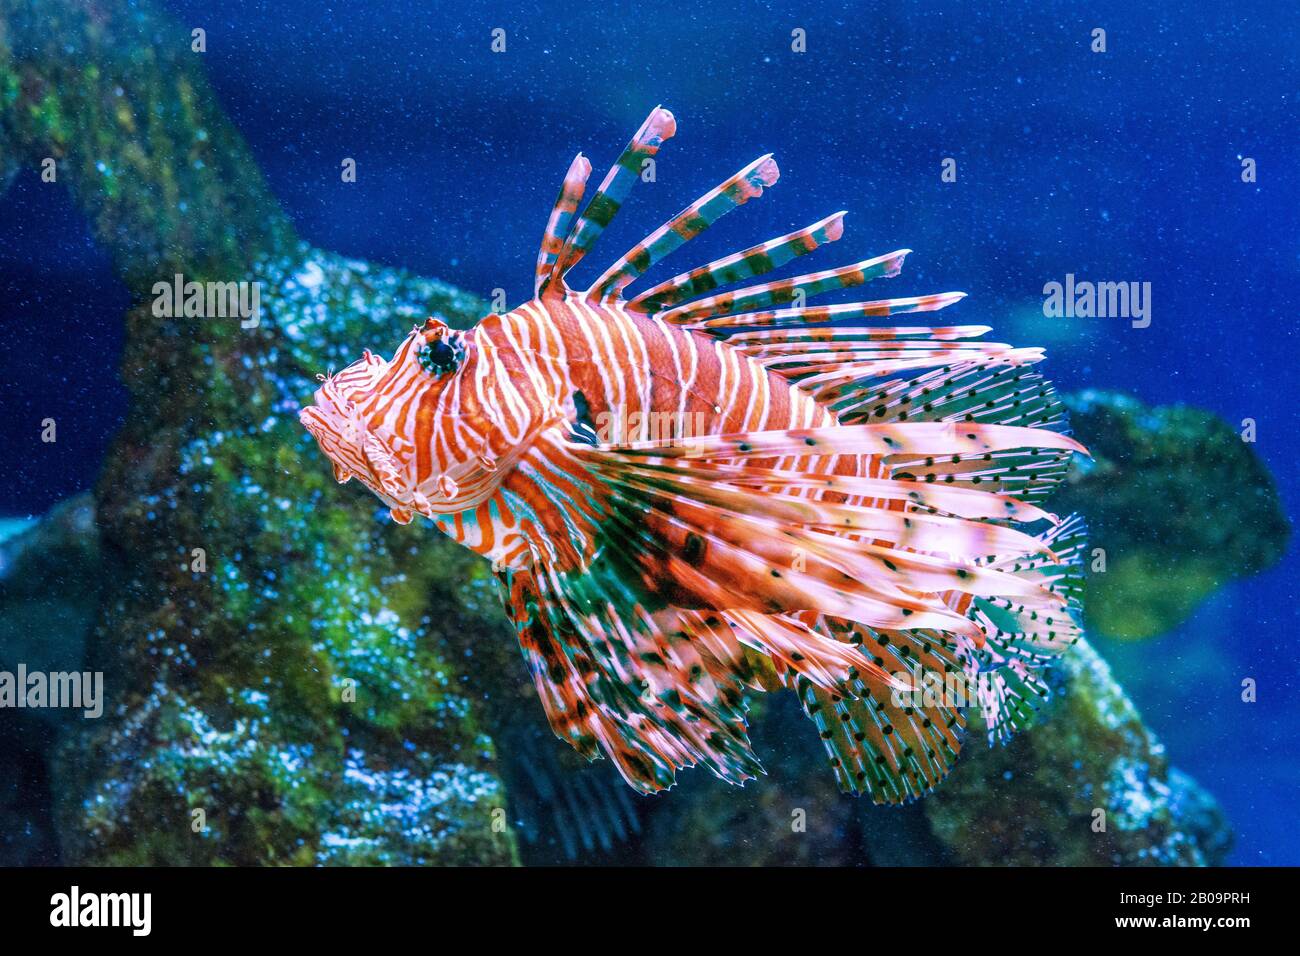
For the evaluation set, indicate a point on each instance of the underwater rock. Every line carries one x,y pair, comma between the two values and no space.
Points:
1199,816
274,694
8,96
795,815
1032,802
51,575
1219,515
50,579
1088,762
112,92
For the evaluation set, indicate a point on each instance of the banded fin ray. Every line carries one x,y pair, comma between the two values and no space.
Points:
559,224
745,185
658,127
947,498
814,315
753,261
780,291
971,393
744,535
937,438
720,559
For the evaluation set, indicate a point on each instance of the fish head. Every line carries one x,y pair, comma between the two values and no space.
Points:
411,428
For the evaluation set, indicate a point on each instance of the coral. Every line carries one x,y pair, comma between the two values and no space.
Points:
1168,542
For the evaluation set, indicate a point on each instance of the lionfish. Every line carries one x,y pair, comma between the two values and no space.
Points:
692,494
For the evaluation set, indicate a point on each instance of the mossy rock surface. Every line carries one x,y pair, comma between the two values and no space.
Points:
1178,502
112,92
278,693
1086,785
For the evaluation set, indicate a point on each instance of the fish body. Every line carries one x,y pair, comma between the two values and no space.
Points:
690,495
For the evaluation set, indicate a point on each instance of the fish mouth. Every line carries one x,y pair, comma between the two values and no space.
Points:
357,451
383,462
328,412
314,419
334,420
310,417
330,426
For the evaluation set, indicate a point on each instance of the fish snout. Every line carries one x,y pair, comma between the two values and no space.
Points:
310,418
335,433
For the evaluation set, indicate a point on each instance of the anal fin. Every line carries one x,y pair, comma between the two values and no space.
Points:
892,744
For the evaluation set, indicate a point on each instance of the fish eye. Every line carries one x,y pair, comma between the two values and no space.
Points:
441,356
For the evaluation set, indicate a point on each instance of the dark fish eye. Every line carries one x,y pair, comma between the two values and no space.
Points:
441,356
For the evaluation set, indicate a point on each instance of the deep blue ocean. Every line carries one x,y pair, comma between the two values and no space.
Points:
1117,166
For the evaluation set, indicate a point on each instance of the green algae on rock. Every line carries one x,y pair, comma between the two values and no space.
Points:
1086,785
279,696
1179,504
114,95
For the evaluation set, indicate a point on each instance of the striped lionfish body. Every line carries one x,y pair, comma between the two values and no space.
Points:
689,495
